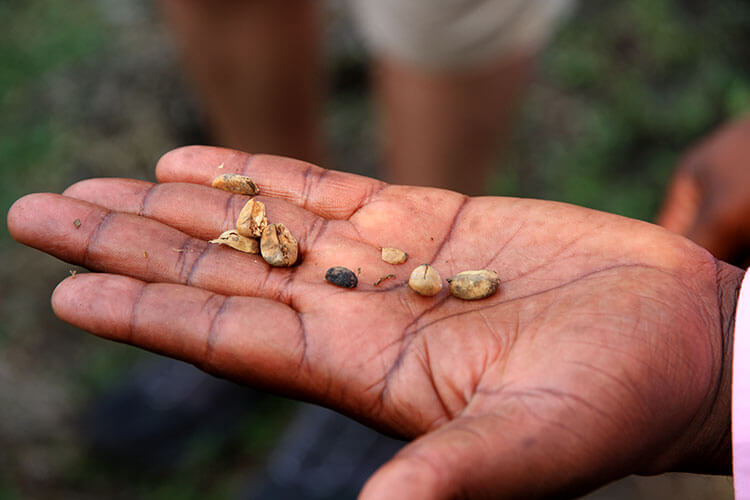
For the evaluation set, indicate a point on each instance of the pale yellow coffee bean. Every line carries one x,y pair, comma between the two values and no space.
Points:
252,219
474,285
425,280
393,255
235,183
238,242
277,245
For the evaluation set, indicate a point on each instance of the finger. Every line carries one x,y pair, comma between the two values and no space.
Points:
120,243
451,462
718,229
327,193
681,205
251,340
204,213
199,211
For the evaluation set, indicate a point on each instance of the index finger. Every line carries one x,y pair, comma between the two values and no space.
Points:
326,193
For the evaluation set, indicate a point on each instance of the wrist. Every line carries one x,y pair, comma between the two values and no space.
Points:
706,444
717,458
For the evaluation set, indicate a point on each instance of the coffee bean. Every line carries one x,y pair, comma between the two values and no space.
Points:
393,255
425,280
277,245
473,285
341,276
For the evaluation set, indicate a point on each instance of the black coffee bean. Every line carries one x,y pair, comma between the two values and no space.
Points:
341,276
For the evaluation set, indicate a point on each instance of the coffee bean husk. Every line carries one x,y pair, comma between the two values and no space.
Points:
235,183
252,219
235,240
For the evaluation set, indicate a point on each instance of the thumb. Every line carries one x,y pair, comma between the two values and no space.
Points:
717,229
681,205
706,220
483,457
427,468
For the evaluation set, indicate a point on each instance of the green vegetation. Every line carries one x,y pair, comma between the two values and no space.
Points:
39,38
621,93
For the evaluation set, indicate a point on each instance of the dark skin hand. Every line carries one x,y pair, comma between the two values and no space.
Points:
605,352
709,197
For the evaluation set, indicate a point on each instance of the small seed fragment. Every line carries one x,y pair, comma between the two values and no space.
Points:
277,245
77,223
393,255
235,240
473,285
341,276
252,219
425,280
383,278
235,183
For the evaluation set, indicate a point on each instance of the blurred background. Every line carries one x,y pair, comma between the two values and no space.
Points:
93,88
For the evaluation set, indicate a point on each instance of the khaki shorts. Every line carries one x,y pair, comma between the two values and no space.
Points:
447,34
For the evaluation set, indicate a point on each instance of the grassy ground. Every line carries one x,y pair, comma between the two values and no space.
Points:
91,89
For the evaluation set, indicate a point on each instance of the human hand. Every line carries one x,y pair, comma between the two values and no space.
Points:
709,197
604,353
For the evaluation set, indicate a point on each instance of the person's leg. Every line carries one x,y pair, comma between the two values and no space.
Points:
257,68
449,73
444,129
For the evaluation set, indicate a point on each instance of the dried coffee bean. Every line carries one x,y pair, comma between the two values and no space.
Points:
252,219
425,280
277,245
393,255
473,285
238,242
341,276
235,183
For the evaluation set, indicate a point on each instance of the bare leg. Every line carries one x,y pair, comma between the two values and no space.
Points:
444,129
257,68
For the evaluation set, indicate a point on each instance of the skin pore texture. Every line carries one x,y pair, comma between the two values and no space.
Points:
605,352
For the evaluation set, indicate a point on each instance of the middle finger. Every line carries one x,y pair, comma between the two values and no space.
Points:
204,213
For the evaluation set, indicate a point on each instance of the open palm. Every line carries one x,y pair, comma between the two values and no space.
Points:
599,356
